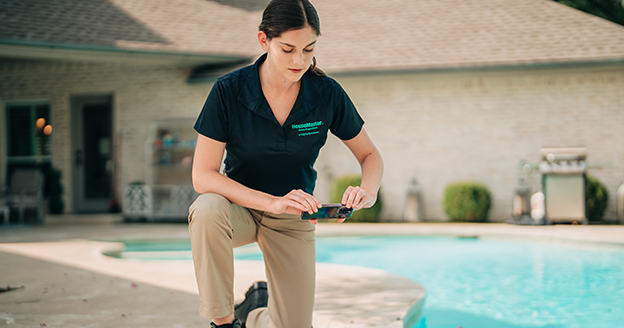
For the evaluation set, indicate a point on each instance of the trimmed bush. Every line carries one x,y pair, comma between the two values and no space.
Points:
338,187
467,201
597,198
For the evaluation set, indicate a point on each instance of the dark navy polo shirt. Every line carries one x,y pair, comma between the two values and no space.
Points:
263,155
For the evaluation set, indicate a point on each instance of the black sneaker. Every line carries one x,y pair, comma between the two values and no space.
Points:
235,324
256,296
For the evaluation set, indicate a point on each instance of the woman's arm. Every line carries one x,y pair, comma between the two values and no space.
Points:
207,179
371,163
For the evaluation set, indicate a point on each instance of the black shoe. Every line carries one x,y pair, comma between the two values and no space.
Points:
235,324
256,296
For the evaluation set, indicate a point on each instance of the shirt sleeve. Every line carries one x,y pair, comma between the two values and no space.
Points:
346,122
213,120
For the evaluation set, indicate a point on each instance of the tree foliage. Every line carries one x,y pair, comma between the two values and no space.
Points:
612,10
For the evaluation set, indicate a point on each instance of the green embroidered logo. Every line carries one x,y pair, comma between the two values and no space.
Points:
307,129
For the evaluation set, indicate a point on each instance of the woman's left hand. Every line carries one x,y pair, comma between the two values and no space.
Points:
357,198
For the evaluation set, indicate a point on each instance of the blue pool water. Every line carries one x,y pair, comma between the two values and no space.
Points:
483,283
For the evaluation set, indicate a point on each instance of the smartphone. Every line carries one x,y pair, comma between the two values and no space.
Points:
329,211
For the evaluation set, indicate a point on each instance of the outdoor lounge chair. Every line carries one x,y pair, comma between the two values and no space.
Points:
25,190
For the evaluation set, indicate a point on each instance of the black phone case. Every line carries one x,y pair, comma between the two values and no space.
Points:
329,211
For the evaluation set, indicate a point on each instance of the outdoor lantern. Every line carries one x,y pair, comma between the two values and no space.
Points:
520,205
413,211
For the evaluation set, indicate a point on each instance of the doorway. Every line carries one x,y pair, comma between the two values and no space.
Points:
92,151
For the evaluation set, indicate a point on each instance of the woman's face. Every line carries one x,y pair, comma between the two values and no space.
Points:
290,55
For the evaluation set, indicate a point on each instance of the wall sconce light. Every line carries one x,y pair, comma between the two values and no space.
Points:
40,123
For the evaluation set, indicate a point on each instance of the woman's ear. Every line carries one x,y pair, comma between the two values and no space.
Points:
262,39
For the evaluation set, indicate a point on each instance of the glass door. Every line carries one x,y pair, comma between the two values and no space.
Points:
92,153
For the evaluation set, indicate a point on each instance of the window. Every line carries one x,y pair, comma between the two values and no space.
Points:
28,138
29,132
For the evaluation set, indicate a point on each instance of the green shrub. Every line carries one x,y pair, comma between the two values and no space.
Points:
55,188
467,201
597,198
338,187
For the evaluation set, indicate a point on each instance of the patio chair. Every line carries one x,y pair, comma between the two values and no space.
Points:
137,201
25,190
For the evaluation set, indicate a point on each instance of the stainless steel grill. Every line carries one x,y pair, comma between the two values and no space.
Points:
563,178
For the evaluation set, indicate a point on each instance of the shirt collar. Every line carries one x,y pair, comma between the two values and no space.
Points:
251,95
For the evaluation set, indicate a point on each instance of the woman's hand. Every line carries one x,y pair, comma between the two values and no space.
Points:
357,198
295,202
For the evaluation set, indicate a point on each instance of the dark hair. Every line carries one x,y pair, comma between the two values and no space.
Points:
284,15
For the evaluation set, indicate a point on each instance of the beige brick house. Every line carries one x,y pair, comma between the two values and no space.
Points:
450,90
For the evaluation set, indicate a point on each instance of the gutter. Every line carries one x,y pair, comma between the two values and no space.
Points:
477,67
210,73
112,49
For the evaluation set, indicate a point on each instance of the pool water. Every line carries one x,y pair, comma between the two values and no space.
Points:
481,283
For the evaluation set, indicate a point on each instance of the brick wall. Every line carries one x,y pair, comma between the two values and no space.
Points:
441,127
141,94
438,127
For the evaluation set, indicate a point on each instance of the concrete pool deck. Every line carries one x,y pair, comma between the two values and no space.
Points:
69,283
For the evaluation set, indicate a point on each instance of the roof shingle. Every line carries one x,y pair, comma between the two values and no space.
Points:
397,34
362,35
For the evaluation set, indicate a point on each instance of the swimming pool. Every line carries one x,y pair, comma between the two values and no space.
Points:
480,283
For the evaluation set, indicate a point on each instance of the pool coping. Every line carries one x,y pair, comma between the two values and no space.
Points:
346,296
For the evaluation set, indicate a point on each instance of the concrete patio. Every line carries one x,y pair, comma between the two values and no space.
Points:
70,283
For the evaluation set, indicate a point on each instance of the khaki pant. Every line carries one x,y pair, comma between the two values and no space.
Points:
287,242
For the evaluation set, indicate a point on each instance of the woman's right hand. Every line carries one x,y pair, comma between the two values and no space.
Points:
295,202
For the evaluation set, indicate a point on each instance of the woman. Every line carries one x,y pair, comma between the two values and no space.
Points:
273,118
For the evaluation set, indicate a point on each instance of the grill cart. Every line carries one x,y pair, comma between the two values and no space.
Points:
563,180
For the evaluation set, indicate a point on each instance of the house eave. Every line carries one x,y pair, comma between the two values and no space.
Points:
477,67
45,50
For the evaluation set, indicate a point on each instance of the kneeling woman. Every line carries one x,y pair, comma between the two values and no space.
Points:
273,118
